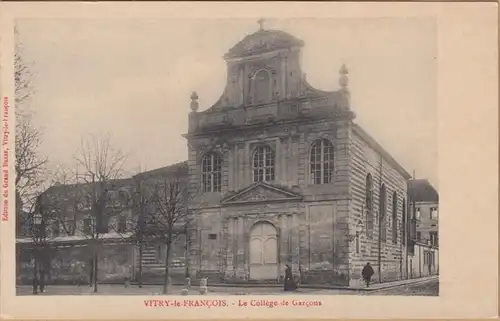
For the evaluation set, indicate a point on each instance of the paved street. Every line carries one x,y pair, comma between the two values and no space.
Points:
430,288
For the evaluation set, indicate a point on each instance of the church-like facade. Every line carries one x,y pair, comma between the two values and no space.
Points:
279,173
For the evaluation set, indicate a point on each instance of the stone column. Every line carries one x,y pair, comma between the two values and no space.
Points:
193,249
240,247
246,245
279,162
230,168
282,243
294,231
247,166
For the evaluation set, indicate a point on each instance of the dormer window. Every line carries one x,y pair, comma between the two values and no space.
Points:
262,91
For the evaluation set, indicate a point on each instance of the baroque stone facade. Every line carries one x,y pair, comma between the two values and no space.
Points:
278,173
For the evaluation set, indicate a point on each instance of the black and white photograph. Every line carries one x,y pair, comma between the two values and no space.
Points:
272,187
297,160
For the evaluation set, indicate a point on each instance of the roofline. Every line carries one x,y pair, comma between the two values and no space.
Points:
230,58
165,169
374,144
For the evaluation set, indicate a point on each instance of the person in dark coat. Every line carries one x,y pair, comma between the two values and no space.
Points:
367,274
289,282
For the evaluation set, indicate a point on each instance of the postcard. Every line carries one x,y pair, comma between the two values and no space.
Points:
249,160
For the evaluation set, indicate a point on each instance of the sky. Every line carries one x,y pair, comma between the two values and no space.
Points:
133,78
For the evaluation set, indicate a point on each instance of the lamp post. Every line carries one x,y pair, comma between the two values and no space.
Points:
37,238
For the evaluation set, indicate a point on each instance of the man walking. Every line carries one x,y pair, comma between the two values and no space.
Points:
367,273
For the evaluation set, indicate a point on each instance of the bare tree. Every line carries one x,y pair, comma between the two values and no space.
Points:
170,202
102,165
29,163
41,225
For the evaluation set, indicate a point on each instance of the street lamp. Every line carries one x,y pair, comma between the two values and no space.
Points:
359,231
37,238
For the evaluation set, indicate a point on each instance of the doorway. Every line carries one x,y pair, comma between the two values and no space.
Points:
263,251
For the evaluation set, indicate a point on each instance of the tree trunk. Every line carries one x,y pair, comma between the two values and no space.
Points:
42,274
91,271
141,253
95,270
35,272
167,261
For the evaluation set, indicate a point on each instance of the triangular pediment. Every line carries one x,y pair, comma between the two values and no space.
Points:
261,192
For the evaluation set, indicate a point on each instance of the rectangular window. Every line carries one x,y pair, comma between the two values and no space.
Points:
434,238
102,224
357,244
87,226
434,213
417,213
122,225
418,236
55,229
212,236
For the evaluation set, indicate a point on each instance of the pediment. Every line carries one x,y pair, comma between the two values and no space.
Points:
261,192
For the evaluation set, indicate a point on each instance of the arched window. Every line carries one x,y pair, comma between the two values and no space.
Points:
369,205
211,173
263,164
321,162
262,87
382,210
403,221
395,218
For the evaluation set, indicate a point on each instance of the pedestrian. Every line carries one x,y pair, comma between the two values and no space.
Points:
367,274
289,283
127,282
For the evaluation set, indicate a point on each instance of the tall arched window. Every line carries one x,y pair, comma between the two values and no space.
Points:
211,169
321,162
382,211
263,164
369,205
403,221
395,218
262,87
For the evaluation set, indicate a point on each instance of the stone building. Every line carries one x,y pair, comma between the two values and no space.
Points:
280,173
426,204
423,254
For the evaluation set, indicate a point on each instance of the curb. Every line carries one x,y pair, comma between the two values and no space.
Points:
305,286
398,285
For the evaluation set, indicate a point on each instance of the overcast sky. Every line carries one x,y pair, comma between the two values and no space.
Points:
133,78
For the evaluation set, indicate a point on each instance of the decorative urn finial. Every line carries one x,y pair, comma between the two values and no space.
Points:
344,79
194,101
344,82
261,22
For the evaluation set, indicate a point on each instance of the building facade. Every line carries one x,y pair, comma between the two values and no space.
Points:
280,173
277,173
424,249
426,205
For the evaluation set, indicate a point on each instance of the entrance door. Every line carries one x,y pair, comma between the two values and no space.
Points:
263,252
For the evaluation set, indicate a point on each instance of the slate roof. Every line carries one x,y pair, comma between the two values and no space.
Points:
421,190
180,169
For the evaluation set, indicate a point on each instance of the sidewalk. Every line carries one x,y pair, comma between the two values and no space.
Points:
388,285
360,287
